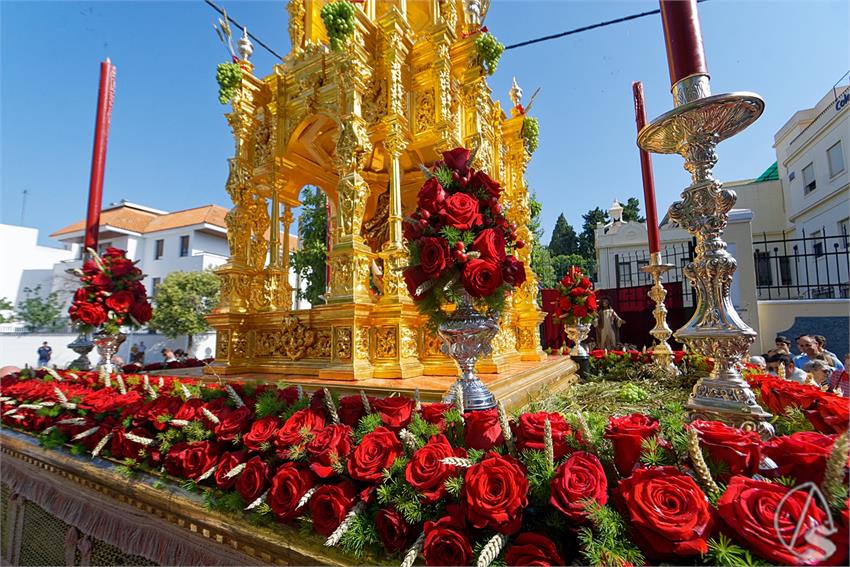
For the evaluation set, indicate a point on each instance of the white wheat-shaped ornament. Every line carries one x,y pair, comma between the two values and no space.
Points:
506,429
72,421
186,393
178,423
121,386
583,427
208,473
413,552
235,471
52,373
47,404
417,397
139,439
409,440
330,407
306,498
31,406
234,397
60,395
10,412
161,382
48,430
491,550
5,398
149,389
366,405
73,375
101,444
548,443
459,400
343,527
300,391
461,462
210,416
17,417
85,433
104,375
258,501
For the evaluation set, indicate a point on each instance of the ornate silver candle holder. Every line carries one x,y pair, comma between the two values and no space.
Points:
693,129
662,354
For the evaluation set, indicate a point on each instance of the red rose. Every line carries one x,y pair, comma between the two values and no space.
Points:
513,271
626,435
224,466
303,422
232,423
163,406
101,282
565,303
289,484
533,549
426,472
481,278
530,428
457,159
579,478
495,491
253,480
393,530
482,430
376,452
329,505
351,409
88,314
121,267
829,414
261,432
490,243
800,455
81,295
396,412
579,311
740,450
435,414
431,196
120,301
750,509
112,252
190,410
446,542
461,211
413,278
669,514
591,302
123,448
329,449
433,255
190,460
482,180
141,311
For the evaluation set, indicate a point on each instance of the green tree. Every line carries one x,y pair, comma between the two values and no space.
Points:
564,239
587,240
631,211
41,313
541,260
310,260
562,264
182,302
6,306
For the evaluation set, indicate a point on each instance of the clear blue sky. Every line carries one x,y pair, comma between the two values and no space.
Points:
169,140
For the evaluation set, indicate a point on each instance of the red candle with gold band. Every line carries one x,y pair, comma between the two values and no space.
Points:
105,96
683,38
646,172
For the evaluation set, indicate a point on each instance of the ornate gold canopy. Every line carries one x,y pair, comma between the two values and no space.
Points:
357,122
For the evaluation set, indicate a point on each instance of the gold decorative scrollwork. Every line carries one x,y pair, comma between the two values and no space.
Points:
386,342
239,345
343,343
424,112
363,342
297,338
222,345
296,11
409,344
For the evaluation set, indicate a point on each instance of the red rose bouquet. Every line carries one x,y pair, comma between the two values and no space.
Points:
459,240
111,295
577,303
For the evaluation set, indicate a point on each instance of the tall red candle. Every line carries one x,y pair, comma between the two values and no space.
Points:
646,173
683,38
105,96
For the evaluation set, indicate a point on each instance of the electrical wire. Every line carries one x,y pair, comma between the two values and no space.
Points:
238,25
586,28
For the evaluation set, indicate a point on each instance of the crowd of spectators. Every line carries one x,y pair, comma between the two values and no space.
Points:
813,365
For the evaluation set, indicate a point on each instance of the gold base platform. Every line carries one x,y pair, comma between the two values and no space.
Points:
516,384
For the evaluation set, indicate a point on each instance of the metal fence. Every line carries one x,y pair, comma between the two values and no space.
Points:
628,268
810,267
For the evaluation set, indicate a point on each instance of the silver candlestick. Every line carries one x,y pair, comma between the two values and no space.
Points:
662,354
693,129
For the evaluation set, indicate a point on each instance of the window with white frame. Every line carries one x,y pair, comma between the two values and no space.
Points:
835,155
817,243
809,182
158,249
184,245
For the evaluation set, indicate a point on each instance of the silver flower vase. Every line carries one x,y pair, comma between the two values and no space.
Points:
467,335
82,345
578,333
107,345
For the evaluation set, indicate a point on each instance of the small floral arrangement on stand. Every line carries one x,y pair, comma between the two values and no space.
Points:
576,308
461,265
111,296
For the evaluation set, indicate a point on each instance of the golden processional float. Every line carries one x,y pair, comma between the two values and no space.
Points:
357,122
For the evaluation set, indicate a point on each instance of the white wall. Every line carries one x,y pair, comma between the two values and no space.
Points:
25,263
20,349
